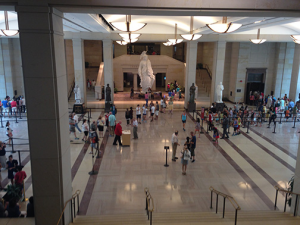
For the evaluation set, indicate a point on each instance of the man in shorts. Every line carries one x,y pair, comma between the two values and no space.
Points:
72,126
152,112
193,146
139,113
156,111
175,143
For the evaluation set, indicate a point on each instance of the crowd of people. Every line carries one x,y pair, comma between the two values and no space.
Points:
10,107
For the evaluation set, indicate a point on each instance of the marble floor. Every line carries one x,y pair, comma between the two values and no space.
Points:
245,166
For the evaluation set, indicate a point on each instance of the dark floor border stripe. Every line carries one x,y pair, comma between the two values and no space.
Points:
242,173
269,152
274,144
79,160
86,198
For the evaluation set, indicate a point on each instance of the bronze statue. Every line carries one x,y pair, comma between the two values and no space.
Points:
192,93
107,94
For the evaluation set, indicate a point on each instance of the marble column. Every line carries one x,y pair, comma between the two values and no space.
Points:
79,67
45,81
190,70
154,83
296,187
135,81
108,66
7,67
2,73
218,68
295,79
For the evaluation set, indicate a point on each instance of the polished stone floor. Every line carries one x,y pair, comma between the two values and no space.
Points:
245,166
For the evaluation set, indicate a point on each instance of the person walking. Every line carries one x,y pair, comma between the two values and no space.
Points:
185,156
131,93
272,115
100,125
135,128
118,133
8,132
174,145
183,119
138,113
85,129
193,146
152,112
225,124
72,127
112,122
75,118
2,154
197,127
156,110
19,178
94,141
127,117
161,105
146,98
11,166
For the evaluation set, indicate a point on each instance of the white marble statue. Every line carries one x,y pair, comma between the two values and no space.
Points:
145,72
77,94
219,91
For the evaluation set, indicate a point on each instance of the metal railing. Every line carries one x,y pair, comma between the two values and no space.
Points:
225,196
75,197
206,67
278,188
71,90
149,203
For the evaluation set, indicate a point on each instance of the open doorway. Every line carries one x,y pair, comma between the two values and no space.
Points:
255,82
127,81
160,81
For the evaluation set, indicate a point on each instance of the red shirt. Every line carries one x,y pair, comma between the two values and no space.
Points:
13,104
20,176
210,118
118,130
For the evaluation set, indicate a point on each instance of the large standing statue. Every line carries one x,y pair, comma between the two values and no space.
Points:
145,72
192,93
108,93
77,94
219,90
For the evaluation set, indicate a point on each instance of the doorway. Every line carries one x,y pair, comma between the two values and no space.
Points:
127,81
255,82
160,81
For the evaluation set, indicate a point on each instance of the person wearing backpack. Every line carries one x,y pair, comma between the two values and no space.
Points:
185,156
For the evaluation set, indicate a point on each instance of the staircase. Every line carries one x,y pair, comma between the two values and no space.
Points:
191,218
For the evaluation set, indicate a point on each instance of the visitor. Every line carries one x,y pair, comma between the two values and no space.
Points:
216,135
146,98
168,87
114,110
135,129
94,84
72,127
282,102
131,115
118,133
183,119
144,113
164,105
259,119
161,105
210,120
138,113
188,143
235,127
170,94
88,84
179,95
175,143
197,127
1,108
100,125
156,110
75,118
23,105
131,93
13,209
152,112
112,120
8,132
13,105
5,108
193,146
2,154
19,178
291,104
171,106
30,208
225,126
185,156
106,120
85,129
272,116
11,166
94,141
287,115
150,93
127,117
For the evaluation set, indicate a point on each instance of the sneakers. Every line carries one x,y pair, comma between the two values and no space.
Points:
193,160
176,157
174,160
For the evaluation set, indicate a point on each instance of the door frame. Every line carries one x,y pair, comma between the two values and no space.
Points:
255,70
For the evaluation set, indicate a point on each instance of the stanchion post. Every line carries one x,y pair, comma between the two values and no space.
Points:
274,127
228,125
93,172
16,117
280,118
21,113
12,146
166,148
248,127
294,123
20,158
1,122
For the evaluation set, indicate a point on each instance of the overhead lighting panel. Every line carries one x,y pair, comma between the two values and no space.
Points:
224,27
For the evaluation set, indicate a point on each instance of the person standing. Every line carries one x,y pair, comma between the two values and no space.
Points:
131,93
193,146
171,106
135,128
161,105
94,141
75,118
11,165
146,98
131,115
138,113
72,127
225,124
85,129
174,145
183,119
197,127
100,125
185,156
5,108
94,84
2,154
127,116
112,122
13,105
9,132
152,112
156,110
272,116
23,105
145,113
210,119
20,177
118,133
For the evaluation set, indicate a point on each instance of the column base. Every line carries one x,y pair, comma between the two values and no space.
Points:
107,106
220,106
191,106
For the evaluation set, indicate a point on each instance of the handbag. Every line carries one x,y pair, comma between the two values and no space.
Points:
187,155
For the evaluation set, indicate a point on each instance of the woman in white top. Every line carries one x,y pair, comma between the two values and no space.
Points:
8,132
138,113
85,129
100,125
145,113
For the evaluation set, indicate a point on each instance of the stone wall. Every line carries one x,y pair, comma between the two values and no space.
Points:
69,63
119,49
166,50
93,52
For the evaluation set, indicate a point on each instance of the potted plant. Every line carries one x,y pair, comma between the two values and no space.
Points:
13,192
115,90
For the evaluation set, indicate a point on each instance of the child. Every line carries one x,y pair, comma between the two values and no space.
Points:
287,114
197,127
216,135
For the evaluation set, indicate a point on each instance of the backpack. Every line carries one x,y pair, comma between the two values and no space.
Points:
186,155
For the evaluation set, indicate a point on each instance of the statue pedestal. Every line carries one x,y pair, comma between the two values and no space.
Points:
191,106
220,106
79,108
107,107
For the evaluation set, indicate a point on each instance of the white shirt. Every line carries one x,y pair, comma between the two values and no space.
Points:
85,127
145,111
138,111
135,123
152,109
8,130
161,102
23,101
75,118
174,139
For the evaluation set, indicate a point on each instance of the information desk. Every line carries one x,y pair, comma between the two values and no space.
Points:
126,135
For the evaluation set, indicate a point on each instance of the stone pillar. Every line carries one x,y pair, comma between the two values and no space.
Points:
79,67
2,73
135,81
7,67
190,70
295,79
154,83
108,66
218,68
296,188
44,72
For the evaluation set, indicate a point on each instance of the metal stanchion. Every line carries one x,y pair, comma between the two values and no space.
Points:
201,132
1,122
228,126
274,127
280,118
294,123
20,113
93,172
12,146
16,117
166,148
20,158
248,127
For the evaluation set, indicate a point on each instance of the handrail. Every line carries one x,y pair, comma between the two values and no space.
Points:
75,195
278,188
149,199
230,198
206,67
71,89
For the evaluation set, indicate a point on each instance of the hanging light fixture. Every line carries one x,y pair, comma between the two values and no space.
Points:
128,26
191,36
130,40
129,35
297,41
175,40
258,40
224,27
122,42
7,31
167,43
296,38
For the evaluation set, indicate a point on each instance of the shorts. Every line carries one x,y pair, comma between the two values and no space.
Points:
72,129
86,133
184,162
93,145
156,113
239,127
235,128
144,114
100,128
6,110
183,121
192,152
138,116
152,114
14,109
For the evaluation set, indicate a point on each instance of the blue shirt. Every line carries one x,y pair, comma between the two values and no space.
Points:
4,103
183,117
194,141
291,105
112,120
